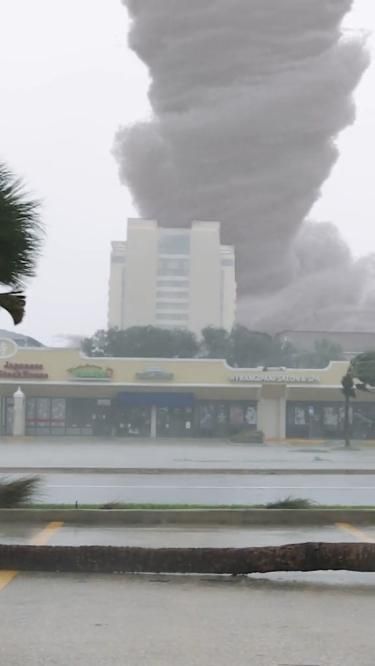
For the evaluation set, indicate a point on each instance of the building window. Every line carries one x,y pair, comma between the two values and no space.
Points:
161,305
177,283
172,317
172,294
173,267
174,243
117,260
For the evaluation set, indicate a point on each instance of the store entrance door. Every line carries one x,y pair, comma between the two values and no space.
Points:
101,419
174,422
133,421
154,414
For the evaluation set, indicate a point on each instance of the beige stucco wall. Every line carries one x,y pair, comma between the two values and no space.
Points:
208,379
215,373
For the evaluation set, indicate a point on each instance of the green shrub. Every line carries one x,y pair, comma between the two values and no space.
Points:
18,492
248,437
291,503
113,505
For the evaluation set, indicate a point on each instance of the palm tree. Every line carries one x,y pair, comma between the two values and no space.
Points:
20,241
348,389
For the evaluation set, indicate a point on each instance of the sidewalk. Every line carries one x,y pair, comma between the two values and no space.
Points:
184,455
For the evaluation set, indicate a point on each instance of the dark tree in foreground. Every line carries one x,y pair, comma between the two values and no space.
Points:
363,369
20,241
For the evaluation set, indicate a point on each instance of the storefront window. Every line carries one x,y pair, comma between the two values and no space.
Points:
299,416
58,412
320,420
225,418
9,408
237,416
207,419
330,417
251,416
68,416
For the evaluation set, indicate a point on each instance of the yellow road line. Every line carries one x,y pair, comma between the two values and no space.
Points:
360,535
44,537
6,577
41,539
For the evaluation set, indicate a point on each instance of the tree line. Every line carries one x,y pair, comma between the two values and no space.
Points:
240,347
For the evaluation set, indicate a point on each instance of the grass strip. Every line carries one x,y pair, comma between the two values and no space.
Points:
184,507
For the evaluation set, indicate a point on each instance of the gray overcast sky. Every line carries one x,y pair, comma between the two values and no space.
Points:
67,82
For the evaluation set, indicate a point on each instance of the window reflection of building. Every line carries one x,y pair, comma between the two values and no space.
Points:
299,416
225,418
251,416
67,416
326,420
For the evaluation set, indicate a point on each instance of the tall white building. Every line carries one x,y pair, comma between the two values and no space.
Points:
172,278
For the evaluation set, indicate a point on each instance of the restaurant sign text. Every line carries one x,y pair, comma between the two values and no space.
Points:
274,379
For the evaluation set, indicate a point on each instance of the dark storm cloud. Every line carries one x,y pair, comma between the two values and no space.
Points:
248,97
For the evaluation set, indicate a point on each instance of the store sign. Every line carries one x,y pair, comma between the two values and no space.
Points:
91,373
7,348
155,374
23,371
274,379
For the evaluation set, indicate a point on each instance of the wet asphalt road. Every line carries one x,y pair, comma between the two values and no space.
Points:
176,536
205,489
182,454
154,621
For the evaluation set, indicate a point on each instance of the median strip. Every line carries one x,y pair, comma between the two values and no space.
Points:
209,471
190,516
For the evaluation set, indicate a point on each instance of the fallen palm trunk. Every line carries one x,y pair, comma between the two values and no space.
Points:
107,559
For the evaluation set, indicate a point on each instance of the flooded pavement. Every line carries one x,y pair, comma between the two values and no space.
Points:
164,621
205,489
148,454
175,536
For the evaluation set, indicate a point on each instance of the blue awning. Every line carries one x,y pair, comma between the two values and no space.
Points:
162,399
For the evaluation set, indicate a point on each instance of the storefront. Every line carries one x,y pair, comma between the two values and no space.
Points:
167,414
65,394
322,420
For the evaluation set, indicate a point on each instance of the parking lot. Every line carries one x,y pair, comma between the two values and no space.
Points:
153,621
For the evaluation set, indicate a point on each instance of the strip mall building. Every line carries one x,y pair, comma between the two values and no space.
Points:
64,393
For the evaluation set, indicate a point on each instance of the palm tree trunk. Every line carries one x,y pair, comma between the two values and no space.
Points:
235,561
347,422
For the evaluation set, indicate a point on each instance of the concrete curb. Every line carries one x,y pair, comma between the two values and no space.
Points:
191,517
127,471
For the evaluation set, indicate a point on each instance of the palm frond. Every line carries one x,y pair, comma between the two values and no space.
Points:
21,231
14,303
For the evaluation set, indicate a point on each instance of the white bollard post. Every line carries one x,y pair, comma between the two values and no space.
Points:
153,426
19,413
